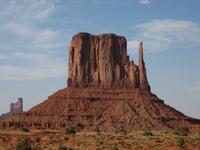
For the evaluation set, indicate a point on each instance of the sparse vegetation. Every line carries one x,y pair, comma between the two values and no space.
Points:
23,145
121,132
70,131
115,148
66,138
184,131
91,140
38,139
24,129
61,147
181,142
147,133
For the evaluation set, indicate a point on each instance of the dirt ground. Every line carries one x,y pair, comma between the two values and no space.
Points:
51,140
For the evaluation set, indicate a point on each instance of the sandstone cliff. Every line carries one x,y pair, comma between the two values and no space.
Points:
102,61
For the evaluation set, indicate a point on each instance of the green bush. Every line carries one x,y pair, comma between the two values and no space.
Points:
115,148
24,129
23,145
61,147
181,142
70,131
184,131
147,133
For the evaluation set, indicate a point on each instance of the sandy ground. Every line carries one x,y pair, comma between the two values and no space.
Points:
51,139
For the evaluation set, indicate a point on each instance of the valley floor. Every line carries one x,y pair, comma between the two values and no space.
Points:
51,140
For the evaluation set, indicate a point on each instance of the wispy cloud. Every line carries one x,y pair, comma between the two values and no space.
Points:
144,2
160,35
26,45
20,23
25,35
26,10
37,66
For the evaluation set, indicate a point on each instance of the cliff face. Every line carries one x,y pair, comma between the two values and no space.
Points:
102,61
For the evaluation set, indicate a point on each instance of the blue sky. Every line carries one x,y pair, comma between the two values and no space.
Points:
35,35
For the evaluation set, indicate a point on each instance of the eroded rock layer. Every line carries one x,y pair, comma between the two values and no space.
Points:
101,109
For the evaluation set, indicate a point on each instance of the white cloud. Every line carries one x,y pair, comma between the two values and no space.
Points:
144,2
132,46
26,46
28,36
26,9
20,23
159,35
37,66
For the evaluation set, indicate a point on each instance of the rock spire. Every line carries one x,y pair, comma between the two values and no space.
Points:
144,85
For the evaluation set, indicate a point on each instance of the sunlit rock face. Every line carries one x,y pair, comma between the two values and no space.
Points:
102,61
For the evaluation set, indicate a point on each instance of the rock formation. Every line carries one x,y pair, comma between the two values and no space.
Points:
14,108
106,91
144,85
102,61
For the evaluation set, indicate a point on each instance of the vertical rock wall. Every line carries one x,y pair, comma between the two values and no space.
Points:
102,61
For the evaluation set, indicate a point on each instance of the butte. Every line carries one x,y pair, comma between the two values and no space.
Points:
105,91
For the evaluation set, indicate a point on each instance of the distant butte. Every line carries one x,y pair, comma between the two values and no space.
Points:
106,91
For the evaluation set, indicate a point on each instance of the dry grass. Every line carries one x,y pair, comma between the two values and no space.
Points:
50,140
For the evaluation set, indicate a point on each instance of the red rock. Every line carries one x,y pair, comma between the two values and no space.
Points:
106,91
144,85
102,61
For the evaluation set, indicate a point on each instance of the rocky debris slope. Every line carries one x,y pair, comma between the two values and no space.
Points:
106,91
96,109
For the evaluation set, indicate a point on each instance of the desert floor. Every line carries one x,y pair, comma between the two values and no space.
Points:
51,140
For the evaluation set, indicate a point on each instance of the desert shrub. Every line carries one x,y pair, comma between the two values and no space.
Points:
121,132
23,145
70,131
181,142
61,147
147,133
38,139
99,133
138,147
66,138
184,131
35,147
24,129
115,148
